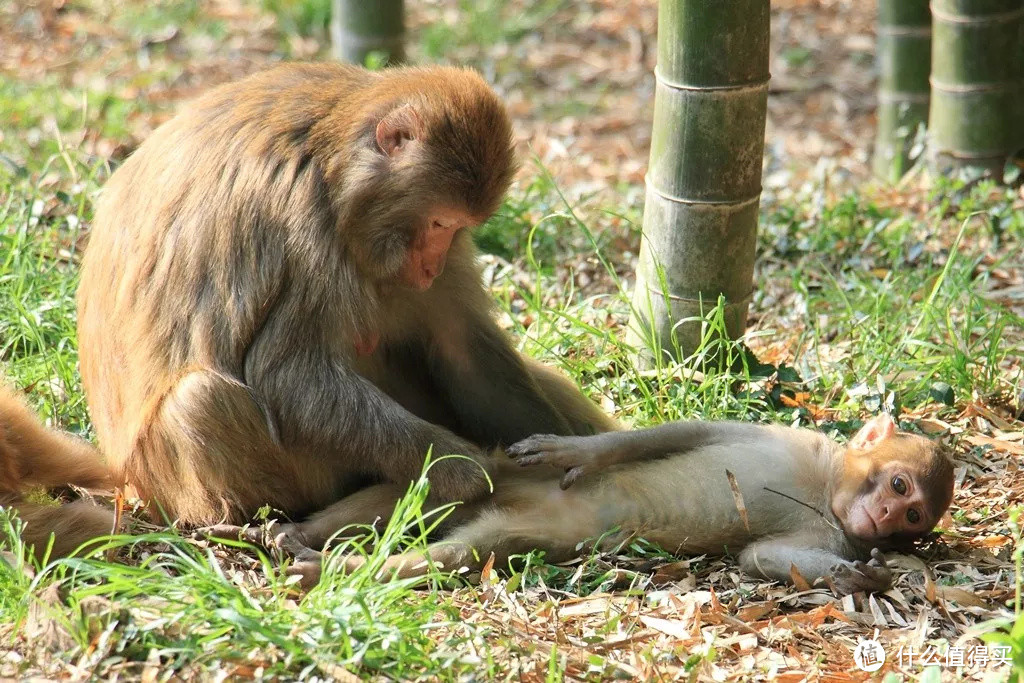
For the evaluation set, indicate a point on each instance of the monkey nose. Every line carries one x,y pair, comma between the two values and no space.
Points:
434,267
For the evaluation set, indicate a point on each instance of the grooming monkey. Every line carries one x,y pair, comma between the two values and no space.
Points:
280,302
811,504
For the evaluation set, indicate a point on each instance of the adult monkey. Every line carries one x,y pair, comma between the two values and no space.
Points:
811,505
280,303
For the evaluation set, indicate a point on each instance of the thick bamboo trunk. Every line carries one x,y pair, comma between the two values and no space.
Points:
704,179
359,27
904,49
977,108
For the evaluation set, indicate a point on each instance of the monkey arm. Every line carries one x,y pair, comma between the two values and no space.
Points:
775,558
581,455
324,407
492,393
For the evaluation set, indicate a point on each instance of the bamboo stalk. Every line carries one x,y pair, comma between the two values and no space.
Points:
977,82
704,178
904,44
361,27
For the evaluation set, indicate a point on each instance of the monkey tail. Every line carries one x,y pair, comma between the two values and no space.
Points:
32,456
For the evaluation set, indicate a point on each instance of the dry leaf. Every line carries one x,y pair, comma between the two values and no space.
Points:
997,444
962,596
738,498
799,581
756,612
670,627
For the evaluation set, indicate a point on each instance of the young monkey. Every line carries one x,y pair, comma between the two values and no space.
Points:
812,505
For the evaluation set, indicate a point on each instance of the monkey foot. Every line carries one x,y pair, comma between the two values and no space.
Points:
287,539
306,563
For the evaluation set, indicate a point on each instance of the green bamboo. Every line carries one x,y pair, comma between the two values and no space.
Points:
362,27
977,112
704,176
904,46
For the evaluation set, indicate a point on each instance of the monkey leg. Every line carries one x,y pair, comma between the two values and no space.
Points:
351,516
502,533
370,507
208,452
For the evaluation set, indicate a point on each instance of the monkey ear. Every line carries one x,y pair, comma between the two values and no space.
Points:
397,128
875,431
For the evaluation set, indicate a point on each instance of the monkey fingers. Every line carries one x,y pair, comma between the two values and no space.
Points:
566,452
285,538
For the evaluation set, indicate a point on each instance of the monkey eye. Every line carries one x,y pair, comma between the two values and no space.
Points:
913,516
899,485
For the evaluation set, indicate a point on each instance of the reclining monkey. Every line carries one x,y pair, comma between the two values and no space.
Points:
811,504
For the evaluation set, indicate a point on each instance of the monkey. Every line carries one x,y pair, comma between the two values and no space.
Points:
811,505
280,301
33,456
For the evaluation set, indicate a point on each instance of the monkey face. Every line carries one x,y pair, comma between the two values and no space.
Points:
433,173
893,485
891,502
428,251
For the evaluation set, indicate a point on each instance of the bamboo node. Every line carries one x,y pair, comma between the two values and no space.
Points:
701,300
1000,18
972,88
703,202
753,86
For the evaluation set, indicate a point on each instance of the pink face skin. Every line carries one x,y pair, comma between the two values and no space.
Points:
429,251
891,504
879,494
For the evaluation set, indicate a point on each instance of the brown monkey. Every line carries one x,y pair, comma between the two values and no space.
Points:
279,301
32,455
811,504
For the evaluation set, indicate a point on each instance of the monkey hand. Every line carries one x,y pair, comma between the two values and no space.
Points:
854,577
288,539
465,475
567,452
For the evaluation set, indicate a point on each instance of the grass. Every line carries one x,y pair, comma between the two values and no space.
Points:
180,609
865,301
